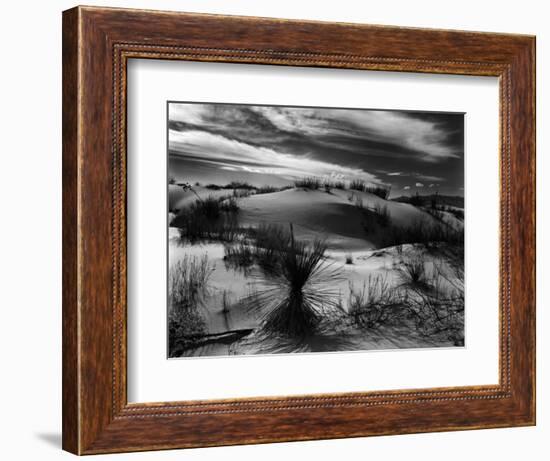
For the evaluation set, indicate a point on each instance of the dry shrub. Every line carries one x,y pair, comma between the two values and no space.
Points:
375,303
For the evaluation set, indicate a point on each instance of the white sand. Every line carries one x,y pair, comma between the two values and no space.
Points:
314,214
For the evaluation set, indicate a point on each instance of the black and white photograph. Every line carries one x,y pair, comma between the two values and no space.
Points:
313,229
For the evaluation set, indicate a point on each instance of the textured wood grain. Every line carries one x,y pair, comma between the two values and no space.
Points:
70,390
97,43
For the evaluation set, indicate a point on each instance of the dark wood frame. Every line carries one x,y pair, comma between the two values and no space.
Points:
97,43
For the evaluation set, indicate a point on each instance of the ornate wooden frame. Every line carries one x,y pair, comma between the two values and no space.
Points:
97,43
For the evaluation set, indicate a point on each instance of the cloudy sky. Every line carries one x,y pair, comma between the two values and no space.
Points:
411,151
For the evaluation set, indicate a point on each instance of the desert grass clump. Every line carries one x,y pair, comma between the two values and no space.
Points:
297,294
188,290
308,182
270,189
379,191
273,237
262,247
412,273
208,219
357,184
267,190
240,256
270,241
210,207
242,193
363,186
329,184
239,185
229,204
375,303
188,282
213,187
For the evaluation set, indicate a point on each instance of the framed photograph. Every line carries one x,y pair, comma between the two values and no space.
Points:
280,230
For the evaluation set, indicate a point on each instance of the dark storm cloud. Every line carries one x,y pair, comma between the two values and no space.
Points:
392,147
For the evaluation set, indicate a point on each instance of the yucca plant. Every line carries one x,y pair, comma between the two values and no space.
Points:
297,296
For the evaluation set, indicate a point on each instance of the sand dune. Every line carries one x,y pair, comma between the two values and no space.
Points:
316,213
313,213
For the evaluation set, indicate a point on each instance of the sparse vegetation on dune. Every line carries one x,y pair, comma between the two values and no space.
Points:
213,187
440,200
314,183
239,185
329,184
433,302
421,231
270,189
412,272
438,308
308,182
262,246
241,193
380,228
267,189
375,303
363,186
243,189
